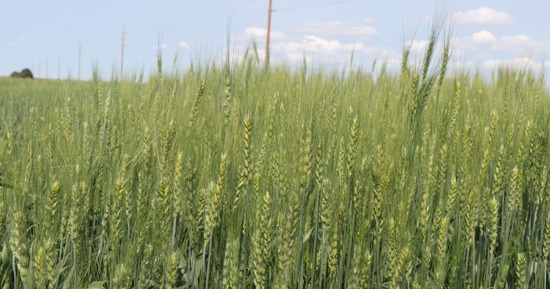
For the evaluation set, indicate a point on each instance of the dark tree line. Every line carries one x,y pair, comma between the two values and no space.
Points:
25,73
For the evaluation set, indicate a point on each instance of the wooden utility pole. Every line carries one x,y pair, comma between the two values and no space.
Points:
122,55
268,33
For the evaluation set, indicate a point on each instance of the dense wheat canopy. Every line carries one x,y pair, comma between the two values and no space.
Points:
240,176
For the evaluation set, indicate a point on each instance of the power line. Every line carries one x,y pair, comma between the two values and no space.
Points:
205,18
332,3
237,23
237,4
199,19
214,30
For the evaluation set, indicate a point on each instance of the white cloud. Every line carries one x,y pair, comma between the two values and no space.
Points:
357,46
479,42
313,47
392,63
486,42
521,43
483,15
515,63
255,33
339,29
483,37
315,44
183,45
417,46
524,62
319,49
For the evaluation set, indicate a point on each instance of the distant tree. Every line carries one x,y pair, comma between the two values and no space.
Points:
25,73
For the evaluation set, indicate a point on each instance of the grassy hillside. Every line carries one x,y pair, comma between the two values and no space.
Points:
242,177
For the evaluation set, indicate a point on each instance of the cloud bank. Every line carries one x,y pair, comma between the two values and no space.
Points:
482,16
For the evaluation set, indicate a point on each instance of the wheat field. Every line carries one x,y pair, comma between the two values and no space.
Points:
241,176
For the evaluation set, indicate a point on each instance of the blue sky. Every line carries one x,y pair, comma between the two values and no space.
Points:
45,35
